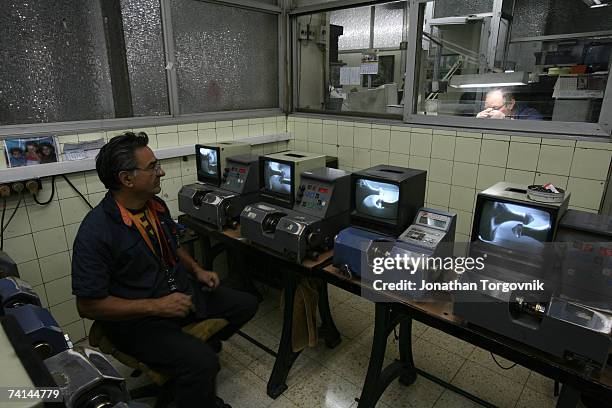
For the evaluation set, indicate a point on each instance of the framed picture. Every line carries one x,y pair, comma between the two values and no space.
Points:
31,151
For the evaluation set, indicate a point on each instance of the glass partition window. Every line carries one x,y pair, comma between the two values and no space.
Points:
351,61
74,60
512,59
226,57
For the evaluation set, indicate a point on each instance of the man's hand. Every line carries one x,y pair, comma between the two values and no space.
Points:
490,113
209,278
484,114
173,305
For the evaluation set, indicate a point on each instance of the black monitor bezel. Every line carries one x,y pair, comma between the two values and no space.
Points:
215,181
508,256
272,196
368,221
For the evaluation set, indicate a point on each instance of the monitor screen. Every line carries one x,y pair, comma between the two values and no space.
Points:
433,220
277,177
514,226
209,162
377,199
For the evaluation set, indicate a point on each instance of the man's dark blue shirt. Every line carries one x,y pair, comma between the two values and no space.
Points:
110,257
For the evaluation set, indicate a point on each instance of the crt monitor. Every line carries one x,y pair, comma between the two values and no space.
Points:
277,180
386,198
208,164
211,160
511,226
280,175
514,226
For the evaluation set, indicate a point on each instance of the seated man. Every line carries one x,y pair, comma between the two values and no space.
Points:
500,104
129,273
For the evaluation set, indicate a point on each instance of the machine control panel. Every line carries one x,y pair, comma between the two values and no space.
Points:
235,176
323,193
314,196
429,229
426,237
433,220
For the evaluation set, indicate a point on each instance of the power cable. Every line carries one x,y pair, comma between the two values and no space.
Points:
77,190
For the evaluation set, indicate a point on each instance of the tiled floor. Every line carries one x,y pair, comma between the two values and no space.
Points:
323,377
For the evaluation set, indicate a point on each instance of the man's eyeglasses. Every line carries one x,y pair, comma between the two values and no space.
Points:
157,169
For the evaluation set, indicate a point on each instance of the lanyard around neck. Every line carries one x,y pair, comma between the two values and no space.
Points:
166,253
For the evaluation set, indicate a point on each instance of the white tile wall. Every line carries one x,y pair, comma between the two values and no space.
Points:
381,139
21,248
489,175
330,134
467,150
362,138
30,272
20,224
555,160
420,144
443,147
50,241
54,266
395,159
441,171
73,210
494,153
465,174
399,142
523,156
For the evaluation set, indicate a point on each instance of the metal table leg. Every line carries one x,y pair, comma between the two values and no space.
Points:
205,250
409,373
329,331
377,379
285,356
569,397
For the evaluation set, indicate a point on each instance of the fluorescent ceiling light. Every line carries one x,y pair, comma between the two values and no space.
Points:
488,85
596,3
490,80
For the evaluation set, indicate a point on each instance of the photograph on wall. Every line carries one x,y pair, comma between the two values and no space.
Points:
30,151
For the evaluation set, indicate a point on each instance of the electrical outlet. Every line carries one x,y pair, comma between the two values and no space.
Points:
33,186
5,190
17,186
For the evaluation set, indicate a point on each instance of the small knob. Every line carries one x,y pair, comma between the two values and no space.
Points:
313,255
314,239
234,225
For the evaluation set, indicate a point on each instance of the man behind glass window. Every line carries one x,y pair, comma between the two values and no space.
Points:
500,104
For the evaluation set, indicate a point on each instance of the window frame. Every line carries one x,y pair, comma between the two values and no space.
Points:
600,130
174,117
326,7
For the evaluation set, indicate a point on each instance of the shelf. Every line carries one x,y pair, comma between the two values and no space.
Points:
66,167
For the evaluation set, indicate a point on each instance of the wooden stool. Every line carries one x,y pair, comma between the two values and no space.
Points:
202,330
